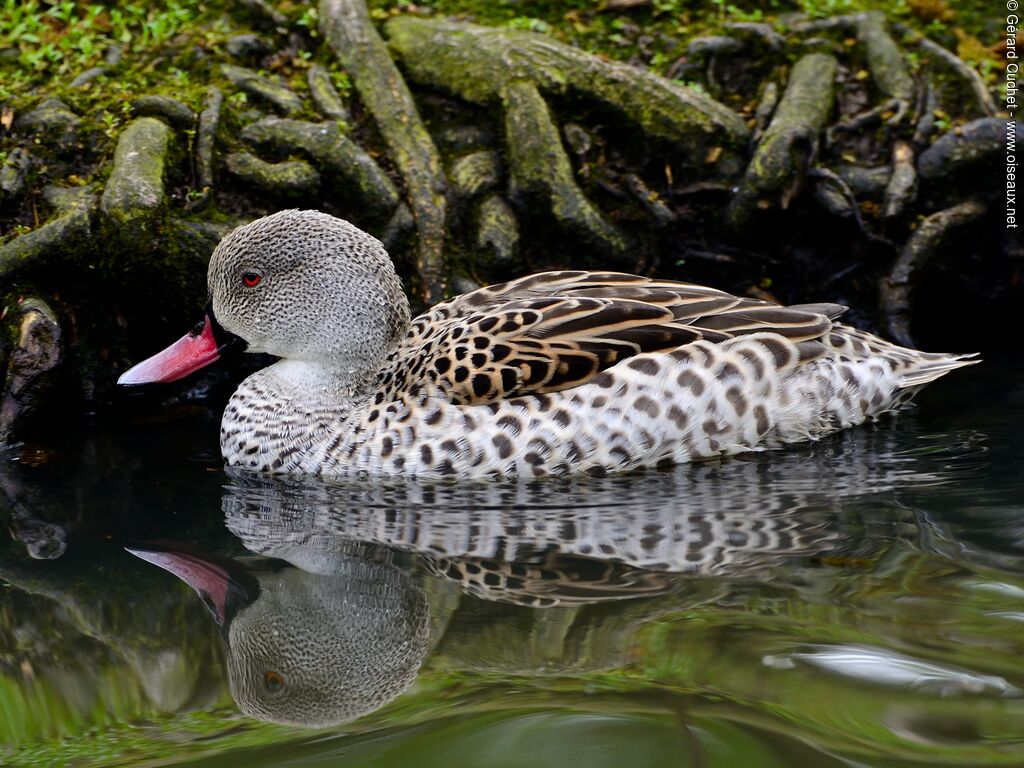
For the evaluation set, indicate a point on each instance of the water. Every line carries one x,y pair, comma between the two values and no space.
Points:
856,602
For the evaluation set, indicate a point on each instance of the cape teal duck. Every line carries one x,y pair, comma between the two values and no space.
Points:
553,373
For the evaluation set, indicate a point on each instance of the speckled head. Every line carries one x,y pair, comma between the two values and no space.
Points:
304,285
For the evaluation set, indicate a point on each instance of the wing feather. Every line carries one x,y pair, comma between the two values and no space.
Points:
556,330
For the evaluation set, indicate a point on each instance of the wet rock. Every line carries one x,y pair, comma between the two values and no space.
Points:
14,174
263,88
475,173
250,46
172,110
331,151
497,231
30,366
52,121
70,231
134,194
324,94
291,178
541,174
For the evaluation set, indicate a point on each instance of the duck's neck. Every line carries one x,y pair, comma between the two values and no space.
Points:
310,381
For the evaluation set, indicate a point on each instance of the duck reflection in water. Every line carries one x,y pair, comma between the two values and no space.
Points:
325,626
314,645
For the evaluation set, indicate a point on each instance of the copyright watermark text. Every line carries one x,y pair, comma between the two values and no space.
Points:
1012,101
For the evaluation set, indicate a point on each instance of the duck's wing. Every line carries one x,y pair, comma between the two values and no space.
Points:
557,330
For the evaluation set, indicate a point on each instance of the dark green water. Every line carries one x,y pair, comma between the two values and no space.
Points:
856,602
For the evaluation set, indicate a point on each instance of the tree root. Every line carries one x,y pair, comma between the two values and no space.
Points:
52,122
473,174
347,27
895,289
209,121
761,32
14,174
332,152
171,110
497,231
963,148
867,183
837,198
541,173
926,115
791,139
291,178
262,88
902,187
324,94
986,104
888,66
766,106
648,198
30,366
134,194
479,63
70,230
856,122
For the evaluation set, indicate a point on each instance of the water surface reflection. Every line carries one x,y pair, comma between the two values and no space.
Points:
857,600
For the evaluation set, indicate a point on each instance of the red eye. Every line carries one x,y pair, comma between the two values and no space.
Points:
251,279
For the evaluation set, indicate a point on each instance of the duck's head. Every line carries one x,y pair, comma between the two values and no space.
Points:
301,285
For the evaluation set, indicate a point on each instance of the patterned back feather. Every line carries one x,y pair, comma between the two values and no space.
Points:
557,330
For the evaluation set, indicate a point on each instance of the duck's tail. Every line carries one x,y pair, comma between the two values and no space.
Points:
933,366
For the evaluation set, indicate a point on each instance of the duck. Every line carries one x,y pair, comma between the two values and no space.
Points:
555,373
